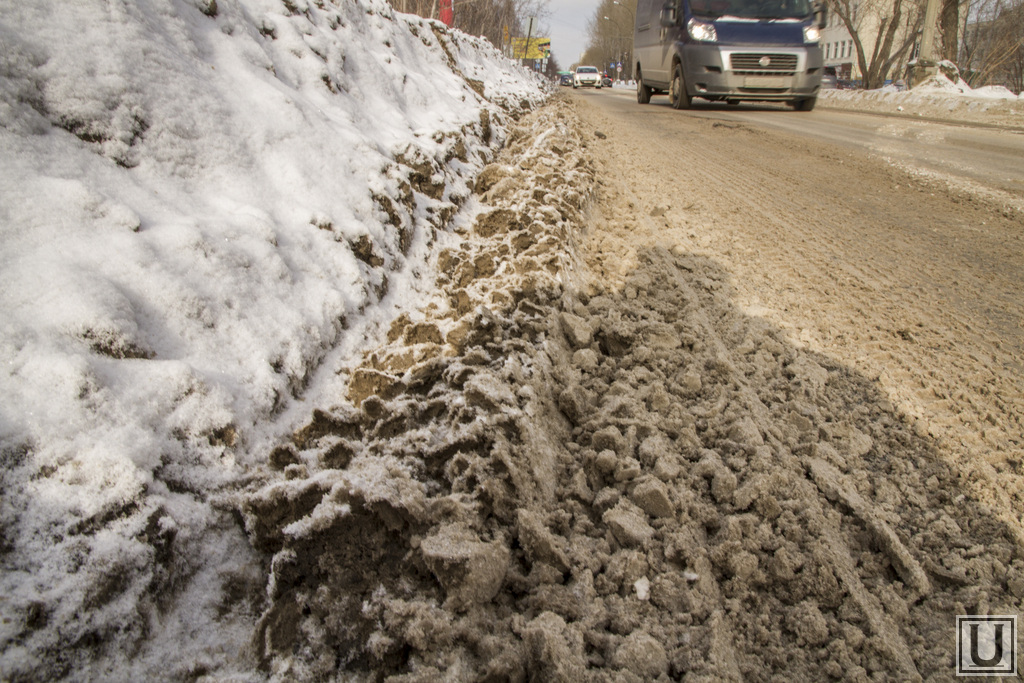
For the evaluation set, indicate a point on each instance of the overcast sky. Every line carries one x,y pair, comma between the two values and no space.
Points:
568,28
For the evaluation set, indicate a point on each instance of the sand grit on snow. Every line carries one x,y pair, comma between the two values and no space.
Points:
558,476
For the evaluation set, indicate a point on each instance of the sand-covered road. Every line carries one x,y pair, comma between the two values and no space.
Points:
908,279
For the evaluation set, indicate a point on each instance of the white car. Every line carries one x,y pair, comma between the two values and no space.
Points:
586,75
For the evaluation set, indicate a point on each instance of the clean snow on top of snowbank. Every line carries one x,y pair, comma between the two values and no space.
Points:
200,203
940,85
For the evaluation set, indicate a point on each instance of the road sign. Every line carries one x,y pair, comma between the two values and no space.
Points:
535,48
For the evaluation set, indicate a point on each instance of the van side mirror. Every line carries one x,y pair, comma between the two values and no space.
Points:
668,15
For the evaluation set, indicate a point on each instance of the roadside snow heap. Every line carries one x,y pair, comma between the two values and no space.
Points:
206,206
564,468
943,95
314,369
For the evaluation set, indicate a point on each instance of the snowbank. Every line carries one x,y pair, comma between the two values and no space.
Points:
205,207
936,97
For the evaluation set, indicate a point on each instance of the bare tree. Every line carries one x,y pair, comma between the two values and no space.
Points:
492,18
488,18
610,33
950,22
896,32
992,51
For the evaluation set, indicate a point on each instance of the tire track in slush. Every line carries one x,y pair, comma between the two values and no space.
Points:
911,339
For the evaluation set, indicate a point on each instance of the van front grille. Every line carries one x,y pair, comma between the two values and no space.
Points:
760,63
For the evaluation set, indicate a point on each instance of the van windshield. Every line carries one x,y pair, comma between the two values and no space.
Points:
752,9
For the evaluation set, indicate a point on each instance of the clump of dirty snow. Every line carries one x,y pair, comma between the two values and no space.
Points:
372,523
205,207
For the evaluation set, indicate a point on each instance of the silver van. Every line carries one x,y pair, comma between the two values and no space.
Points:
729,50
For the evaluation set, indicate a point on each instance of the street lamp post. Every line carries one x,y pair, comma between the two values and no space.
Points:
631,13
624,51
926,63
617,51
632,28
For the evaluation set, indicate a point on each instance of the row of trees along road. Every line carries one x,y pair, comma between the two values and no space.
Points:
496,20
984,38
610,35
992,49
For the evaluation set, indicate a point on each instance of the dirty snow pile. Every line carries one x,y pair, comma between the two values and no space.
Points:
582,465
944,95
206,207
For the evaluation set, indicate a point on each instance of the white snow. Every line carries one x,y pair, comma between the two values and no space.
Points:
194,212
642,586
196,241
936,97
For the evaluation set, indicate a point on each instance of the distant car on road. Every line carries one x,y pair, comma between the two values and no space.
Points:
565,79
606,82
586,76
829,80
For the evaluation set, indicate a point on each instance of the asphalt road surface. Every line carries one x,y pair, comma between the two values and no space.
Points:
990,157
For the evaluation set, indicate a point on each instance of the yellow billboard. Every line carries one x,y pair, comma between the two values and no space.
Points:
539,48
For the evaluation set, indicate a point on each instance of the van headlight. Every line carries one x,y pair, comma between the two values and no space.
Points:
702,31
811,34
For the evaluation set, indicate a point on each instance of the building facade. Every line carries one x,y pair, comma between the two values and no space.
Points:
839,48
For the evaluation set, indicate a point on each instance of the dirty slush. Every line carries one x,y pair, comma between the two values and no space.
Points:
555,476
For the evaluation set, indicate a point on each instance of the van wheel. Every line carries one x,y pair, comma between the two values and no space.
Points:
805,105
677,91
643,93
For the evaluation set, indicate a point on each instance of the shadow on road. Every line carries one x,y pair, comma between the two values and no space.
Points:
644,481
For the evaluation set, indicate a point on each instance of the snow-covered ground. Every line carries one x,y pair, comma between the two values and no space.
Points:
205,208
938,97
209,210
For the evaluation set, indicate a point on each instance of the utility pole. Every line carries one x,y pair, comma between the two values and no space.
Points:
529,35
632,31
926,65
